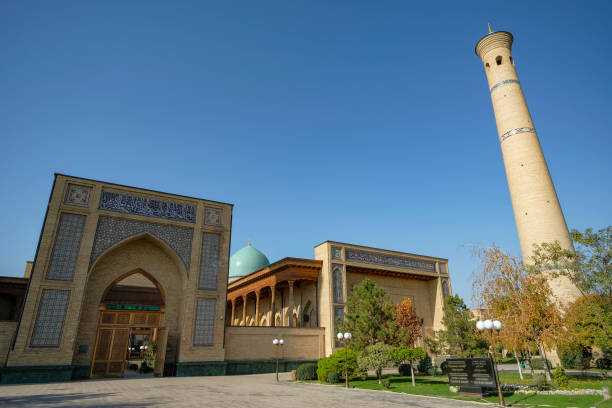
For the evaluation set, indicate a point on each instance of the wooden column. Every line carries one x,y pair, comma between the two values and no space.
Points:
244,305
233,312
272,321
257,307
291,303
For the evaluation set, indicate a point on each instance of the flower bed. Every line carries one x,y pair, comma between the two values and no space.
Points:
536,389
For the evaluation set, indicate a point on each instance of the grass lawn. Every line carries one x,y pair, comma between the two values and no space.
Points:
576,381
438,386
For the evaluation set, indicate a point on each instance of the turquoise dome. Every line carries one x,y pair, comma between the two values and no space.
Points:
246,261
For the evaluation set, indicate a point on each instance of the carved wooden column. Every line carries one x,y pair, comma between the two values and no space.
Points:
244,305
233,312
291,303
272,321
257,307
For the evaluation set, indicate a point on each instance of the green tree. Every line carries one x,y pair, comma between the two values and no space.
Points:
375,357
583,324
459,336
370,316
400,355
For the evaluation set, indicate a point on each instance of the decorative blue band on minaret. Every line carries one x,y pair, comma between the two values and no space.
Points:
515,132
505,82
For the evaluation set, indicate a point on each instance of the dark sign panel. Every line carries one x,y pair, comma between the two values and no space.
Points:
132,307
471,372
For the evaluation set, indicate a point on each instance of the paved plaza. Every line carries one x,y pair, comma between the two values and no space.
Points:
231,391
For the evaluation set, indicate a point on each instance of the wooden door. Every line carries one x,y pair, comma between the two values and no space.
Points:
110,352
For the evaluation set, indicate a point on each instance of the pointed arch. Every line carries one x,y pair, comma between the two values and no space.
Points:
133,272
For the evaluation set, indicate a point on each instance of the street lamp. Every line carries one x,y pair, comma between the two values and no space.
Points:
278,342
344,338
490,326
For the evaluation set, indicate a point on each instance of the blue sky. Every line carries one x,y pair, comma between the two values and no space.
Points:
357,121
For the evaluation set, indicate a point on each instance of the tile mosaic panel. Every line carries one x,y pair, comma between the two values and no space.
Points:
150,207
336,253
443,268
113,230
212,216
338,316
445,288
66,247
50,320
78,195
204,322
209,261
338,288
375,258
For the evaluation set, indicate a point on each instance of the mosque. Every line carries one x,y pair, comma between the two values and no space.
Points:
119,269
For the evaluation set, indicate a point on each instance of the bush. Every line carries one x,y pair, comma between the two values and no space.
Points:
333,377
575,356
404,369
133,367
306,371
433,371
539,380
335,362
560,377
386,384
425,365
603,363
538,364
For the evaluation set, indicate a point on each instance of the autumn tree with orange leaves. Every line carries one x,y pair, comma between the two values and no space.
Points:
408,323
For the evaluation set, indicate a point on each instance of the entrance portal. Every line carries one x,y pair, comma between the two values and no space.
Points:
130,319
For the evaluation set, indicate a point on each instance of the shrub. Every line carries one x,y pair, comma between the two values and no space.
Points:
560,377
335,362
539,380
433,371
575,356
404,369
306,371
133,367
425,365
386,384
333,377
538,364
603,363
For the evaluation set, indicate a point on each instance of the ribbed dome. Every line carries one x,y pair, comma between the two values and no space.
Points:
245,261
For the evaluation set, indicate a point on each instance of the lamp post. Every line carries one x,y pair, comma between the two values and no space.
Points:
278,342
344,338
490,326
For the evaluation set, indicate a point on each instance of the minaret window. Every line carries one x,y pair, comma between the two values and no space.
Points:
487,65
498,60
511,61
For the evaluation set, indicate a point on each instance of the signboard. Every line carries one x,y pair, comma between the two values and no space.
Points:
132,307
471,372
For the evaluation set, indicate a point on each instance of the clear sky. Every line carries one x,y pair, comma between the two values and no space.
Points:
366,122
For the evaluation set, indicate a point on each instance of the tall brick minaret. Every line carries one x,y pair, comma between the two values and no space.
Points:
537,211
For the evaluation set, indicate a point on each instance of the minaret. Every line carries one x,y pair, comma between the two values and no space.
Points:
537,211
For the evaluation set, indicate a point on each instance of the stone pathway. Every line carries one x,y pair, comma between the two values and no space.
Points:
244,391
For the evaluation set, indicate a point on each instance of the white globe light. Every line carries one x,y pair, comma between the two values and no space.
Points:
497,324
488,324
480,325
339,336
275,341
281,342
348,335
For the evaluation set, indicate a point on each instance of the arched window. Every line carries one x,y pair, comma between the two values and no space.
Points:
498,60
487,65
511,61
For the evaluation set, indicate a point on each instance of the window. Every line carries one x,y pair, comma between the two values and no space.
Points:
498,60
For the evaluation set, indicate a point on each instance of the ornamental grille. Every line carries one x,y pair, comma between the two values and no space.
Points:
66,247
50,319
209,263
338,287
204,322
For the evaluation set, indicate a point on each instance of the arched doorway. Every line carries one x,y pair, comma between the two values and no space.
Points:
130,320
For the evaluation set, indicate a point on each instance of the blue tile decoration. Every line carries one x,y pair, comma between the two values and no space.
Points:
209,261
505,82
112,230
66,247
336,253
367,257
204,322
78,195
338,288
50,320
212,216
150,207
445,288
516,132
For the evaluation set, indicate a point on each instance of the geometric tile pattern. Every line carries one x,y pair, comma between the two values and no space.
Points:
338,288
516,132
78,195
209,262
66,247
443,268
374,258
445,288
336,253
212,216
504,82
338,318
150,207
113,230
50,319
204,322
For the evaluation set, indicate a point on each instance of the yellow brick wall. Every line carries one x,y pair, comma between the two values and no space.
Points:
255,343
7,329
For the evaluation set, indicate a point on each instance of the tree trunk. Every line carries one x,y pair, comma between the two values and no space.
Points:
412,374
379,374
546,369
518,363
530,362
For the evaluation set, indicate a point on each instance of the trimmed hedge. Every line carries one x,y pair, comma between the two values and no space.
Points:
306,371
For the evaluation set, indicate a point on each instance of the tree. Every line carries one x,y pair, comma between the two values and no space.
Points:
459,336
408,323
370,316
400,355
583,325
375,357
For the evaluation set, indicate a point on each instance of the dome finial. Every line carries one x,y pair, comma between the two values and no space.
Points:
490,31
249,241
